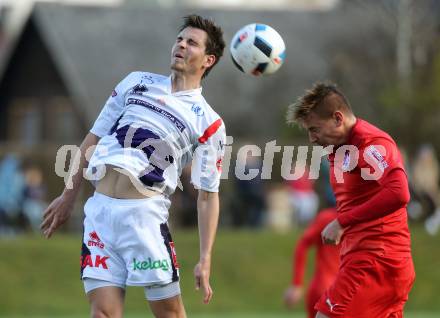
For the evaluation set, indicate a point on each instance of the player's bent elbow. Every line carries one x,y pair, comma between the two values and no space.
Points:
405,197
402,196
399,200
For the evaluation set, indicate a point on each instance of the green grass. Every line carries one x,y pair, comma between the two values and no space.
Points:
229,315
40,278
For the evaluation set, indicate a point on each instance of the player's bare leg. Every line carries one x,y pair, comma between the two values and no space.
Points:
106,302
168,308
320,315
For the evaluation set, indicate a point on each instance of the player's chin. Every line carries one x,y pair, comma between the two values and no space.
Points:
176,65
324,144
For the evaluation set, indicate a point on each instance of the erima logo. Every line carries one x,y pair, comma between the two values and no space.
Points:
95,240
150,264
328,302
139,89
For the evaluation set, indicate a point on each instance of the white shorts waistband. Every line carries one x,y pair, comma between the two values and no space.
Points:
105,198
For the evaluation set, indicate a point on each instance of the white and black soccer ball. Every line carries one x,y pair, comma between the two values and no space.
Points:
258,49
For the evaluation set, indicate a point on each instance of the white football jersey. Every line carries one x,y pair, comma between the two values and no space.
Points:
152,134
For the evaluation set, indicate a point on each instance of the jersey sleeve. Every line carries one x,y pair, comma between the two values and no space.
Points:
208,156
114,107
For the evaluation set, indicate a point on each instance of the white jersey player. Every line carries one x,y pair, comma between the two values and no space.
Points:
152,133
149,129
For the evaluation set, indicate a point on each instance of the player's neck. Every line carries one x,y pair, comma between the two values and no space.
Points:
351,121
182,82
348,126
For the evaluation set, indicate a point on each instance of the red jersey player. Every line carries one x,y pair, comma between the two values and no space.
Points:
371,189
326,263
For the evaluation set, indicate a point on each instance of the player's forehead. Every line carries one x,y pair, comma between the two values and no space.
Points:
312,120
195,34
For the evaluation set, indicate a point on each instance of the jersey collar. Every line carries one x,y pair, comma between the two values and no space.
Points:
354,137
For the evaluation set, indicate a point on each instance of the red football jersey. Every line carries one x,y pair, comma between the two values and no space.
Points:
327,256
371,191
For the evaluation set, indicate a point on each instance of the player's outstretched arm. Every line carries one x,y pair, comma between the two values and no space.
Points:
208,213
58,212
312,236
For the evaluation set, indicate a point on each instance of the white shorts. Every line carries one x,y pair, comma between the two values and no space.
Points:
127,242
152,293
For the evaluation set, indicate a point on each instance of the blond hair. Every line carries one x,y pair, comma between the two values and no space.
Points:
322,99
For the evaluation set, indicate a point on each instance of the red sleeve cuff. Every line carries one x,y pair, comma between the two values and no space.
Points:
344,220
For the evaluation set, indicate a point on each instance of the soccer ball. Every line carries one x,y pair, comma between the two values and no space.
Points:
257,49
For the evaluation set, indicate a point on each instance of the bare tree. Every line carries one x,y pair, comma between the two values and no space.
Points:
413,25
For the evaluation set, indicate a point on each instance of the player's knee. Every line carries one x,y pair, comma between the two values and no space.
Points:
97,313
105,313
170,314
169,311
320,315
168,308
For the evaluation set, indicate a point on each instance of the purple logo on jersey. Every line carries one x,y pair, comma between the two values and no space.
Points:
114,93
158,151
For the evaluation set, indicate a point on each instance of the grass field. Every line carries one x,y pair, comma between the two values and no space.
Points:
250,271
244,315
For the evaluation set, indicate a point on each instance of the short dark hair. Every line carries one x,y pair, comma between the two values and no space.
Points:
313,101
214,43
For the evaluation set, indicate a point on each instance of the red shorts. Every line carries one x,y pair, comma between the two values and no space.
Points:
369,286
314,293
